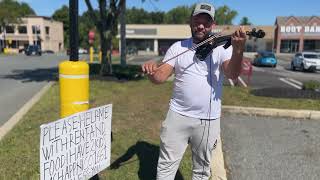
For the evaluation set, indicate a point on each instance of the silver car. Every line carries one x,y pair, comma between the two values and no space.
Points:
306,61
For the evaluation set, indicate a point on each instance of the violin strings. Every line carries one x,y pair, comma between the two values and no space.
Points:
192,48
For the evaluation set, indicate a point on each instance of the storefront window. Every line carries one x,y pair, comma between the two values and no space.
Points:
140,44
289,46
22,29
47,30
36,30
9,29
311,45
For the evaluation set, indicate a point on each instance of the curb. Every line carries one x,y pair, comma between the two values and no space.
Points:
272,112
6,127
218,167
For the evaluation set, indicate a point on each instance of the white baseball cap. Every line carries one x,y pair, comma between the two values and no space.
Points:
204,8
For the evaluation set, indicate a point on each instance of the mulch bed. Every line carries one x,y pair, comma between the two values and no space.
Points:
276,92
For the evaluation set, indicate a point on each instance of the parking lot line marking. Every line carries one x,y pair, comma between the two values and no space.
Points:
231,82
295,81
242,82
290,83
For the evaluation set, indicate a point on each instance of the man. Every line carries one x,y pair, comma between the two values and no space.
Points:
195,107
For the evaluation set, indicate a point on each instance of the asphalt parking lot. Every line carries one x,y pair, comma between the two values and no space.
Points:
269,148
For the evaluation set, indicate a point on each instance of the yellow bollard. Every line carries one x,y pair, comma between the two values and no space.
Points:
91,54
74,87
100,56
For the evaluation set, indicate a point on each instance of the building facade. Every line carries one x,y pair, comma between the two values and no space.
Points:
33,30
156,39
295,34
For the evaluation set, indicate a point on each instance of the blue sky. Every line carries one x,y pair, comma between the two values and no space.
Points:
258,12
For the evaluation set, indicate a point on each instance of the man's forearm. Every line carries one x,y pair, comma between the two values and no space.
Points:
234,65
155,79
160,75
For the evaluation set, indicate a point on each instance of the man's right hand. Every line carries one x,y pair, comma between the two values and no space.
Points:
149,67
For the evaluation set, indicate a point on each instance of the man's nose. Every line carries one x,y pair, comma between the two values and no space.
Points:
200,26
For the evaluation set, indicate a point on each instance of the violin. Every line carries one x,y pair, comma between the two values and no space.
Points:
213,40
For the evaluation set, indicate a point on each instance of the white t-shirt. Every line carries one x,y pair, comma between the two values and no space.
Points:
193,84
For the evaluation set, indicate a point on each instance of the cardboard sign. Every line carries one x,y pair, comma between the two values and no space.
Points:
76,147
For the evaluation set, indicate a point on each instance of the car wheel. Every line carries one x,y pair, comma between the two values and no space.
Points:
302,67
292,67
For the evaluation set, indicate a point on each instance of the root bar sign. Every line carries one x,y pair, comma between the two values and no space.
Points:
76,147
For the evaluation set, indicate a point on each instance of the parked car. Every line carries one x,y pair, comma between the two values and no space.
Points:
33,50
48,52
132,51
306,61
265,58
82,51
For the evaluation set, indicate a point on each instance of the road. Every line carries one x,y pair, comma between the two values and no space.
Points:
21,77
268,148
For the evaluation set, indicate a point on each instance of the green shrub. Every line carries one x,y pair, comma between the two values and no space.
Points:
129,72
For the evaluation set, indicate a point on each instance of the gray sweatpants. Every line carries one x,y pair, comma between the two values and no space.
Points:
177,132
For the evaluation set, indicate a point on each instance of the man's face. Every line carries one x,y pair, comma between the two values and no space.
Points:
201,25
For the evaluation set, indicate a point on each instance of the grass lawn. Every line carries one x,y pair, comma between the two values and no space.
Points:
138,109
241,97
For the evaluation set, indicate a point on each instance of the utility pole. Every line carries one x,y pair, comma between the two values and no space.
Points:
74,31
123,47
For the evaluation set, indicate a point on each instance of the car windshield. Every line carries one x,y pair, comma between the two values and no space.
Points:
31,47
311,56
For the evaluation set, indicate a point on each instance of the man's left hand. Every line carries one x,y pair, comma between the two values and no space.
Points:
238,40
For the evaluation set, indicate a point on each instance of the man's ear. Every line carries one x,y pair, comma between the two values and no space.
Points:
213,25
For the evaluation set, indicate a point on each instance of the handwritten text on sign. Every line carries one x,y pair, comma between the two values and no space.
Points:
76,147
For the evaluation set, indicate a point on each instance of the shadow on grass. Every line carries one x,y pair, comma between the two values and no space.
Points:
128,73
148,158
37,75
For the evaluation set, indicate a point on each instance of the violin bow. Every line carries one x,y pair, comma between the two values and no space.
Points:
252,33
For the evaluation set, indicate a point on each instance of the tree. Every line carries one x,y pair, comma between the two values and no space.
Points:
137,16
62,15
11,12
25,9
245,21
86,25
178,15
224,15
141,16
106,24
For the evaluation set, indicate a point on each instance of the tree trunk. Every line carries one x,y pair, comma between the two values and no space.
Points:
123,34
105,67
4,36
109,53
